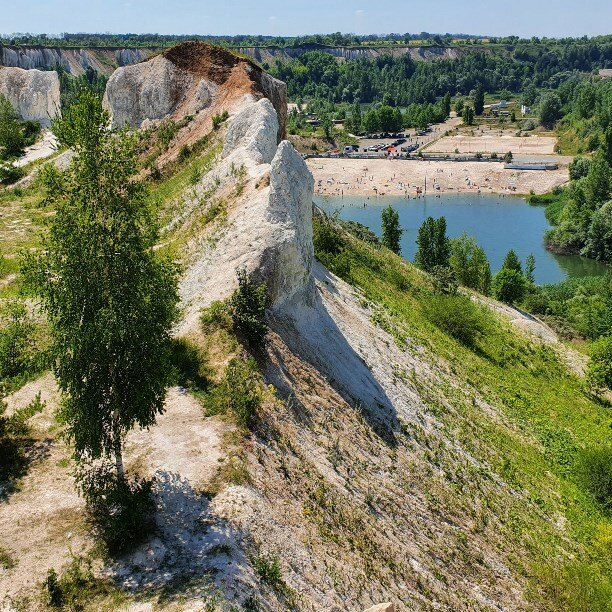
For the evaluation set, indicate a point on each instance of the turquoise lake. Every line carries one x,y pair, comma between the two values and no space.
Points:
498,223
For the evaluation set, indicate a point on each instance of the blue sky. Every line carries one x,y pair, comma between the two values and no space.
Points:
290,17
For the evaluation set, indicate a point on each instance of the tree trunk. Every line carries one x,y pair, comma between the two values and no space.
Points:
119,460
118,453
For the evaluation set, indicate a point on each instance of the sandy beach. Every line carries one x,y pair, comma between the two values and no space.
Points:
401,177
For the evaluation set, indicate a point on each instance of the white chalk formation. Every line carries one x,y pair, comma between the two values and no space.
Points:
269,232
34,94
152,91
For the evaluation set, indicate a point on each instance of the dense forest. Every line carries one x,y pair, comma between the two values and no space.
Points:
402,81
165,40
582,213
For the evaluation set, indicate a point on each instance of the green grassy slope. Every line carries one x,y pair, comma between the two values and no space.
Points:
545,420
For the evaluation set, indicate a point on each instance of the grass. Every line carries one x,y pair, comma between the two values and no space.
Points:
16,443
547,419
24,217
268,570
7,561
180,175
77,588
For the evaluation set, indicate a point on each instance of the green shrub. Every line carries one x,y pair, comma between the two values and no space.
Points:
11,131
15,439
582,304
595,474
76,587
187,361
120,511
31,131
537,302
509,286
362,232
184,153
195,175
340,265
216,315
579,168
10,174
326,238
217,120
529,125
248,309
6,559
458,316
241,389
599,371
22,352
444,280
166,132
15,339
52,180
268,570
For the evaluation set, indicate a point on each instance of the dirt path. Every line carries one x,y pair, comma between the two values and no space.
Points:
39,150
42,523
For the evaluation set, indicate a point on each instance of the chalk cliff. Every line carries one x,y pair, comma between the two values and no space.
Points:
75,61
35,94
189,79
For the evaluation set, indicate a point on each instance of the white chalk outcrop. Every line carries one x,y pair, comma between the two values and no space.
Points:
255,129
34,94
269,230
288,265
152,91
191,79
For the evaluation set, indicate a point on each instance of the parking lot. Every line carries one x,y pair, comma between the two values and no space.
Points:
403,139
413,138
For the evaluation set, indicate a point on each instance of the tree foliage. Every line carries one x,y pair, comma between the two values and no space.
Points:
550,110
509,286
433,244
11,132
110,299
512,262
479,99
468,115
470,264
391,230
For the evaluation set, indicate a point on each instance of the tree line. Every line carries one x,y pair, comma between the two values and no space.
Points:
582,305
582,213
332,39
401,81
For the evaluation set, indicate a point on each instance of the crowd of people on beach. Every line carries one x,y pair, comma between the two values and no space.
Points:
366,181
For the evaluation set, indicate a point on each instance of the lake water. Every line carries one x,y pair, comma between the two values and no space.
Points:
498,223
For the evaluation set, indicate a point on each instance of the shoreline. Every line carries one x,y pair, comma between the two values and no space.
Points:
385,177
